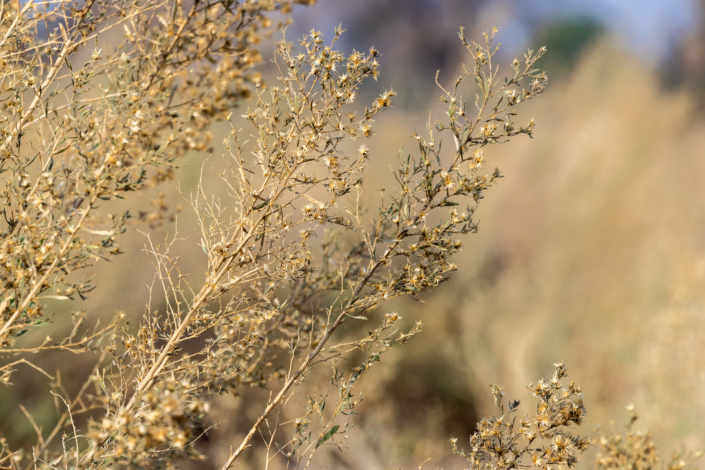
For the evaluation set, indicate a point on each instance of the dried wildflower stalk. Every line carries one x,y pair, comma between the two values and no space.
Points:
267,311
636,450
539,441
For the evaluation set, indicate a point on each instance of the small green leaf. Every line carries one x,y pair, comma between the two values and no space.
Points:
260,206
328,434
285,454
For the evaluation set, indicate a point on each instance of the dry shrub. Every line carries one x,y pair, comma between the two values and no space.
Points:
82,126
102,99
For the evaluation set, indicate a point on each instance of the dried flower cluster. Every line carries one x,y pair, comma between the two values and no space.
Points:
166,421
82,124
542,440
636,450
82,127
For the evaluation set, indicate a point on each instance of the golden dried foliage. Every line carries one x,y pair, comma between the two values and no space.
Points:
539,441
636,450
82,124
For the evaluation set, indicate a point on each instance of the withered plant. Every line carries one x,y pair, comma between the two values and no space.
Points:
291,253
542,440
636,450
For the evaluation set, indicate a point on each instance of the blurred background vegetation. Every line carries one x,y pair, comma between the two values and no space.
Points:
590,251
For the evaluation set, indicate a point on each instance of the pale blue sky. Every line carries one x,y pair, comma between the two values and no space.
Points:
648,28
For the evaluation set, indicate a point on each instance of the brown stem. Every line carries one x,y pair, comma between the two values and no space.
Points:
206,291
289,383
40,283
58,65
